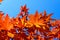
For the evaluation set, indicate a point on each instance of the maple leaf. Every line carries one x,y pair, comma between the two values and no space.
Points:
35,19
20,22
24,9
7,25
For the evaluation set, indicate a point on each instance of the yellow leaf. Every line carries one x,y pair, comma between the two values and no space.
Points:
10,35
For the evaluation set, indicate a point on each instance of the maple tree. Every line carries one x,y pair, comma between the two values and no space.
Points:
24,26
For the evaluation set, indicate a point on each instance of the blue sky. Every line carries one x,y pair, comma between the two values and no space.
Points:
12,7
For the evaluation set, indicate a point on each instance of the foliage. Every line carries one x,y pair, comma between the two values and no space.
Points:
24,26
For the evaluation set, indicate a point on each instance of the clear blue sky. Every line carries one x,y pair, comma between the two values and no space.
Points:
12,7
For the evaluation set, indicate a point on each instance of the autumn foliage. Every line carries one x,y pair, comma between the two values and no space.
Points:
24,26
